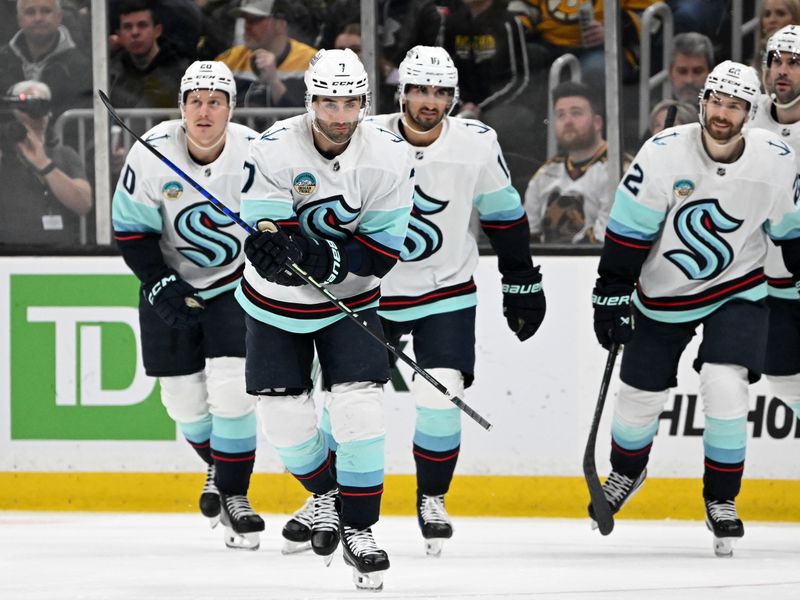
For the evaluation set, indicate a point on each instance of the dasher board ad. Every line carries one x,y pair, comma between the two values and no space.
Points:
74,395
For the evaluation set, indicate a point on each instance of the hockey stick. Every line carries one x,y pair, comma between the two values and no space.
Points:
302,274
602,510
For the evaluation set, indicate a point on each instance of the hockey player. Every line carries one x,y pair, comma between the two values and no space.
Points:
189,258
779,112
687,237
431,294
340,193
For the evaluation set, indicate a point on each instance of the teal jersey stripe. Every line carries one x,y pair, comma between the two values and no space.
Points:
754,294
783,293
632,437
253,211
207,294
387,227
635,216
197,432
361,456
787,229
439,423
505,215
288,323
434,308
620,229
725,434
499,201
130,215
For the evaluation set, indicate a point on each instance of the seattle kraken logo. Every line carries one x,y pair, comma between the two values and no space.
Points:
423,237
326,218
698,225
200,225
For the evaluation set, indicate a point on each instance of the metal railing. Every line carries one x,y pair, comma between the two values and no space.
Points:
565,61
739,29
648,83
145,119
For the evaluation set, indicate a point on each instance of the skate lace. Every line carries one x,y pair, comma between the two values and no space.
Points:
209,487
305,514
360,541
326,518
432,510
724,510
238,506
617,487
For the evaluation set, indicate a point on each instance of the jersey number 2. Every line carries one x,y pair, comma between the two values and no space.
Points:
634,179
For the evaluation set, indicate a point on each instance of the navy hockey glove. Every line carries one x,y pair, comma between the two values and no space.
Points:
613,321
174,300
269,252
524,304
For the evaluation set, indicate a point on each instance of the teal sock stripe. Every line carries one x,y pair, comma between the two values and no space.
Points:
360,463
234,436
631,437
197,432
438,429
725,440
306,457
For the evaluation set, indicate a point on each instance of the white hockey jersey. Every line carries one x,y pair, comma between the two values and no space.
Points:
364,194
462,169
779,280
706,223
568,203
197,240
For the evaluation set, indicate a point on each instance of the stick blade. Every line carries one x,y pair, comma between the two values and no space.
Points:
600,507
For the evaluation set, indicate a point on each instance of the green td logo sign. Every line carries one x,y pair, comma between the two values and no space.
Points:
75,367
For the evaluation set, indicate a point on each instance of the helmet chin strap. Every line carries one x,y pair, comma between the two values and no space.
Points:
211,146
417,131
318,129
774,97
720,145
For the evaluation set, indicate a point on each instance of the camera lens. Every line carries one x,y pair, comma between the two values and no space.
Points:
12,132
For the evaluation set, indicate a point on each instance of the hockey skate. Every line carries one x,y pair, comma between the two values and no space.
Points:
368,561
325,529
618,489
725,524
297,531
434,523
209,498
242,524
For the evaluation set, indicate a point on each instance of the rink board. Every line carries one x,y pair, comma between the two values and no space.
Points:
79,420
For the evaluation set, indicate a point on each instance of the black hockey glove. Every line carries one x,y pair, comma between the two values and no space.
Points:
613,321
524,304
269,252
174,300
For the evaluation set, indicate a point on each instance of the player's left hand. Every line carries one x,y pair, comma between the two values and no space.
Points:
524,303
269,252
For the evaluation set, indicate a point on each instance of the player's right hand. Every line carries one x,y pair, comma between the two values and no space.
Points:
269,252
613,321
174,300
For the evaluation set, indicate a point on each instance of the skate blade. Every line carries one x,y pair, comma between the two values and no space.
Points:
594,524
372,582
327,560
290,547
433,547
723,547
213,521
242,541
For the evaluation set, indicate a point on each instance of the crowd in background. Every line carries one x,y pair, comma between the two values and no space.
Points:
503,50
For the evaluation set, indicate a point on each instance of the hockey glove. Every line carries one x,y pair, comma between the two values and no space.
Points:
524,304
174,300
613,321
269,252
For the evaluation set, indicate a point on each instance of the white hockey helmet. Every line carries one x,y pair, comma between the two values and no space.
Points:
333,73
732,79
784,41
208,75
428,65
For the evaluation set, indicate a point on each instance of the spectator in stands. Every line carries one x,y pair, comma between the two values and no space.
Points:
217,29
685,113
350,37
700,16
567,200
691,61
181,21
269,66
487,44
43,50
50,189
561,29
146,72
774,15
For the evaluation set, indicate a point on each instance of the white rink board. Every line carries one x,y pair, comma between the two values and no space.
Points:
539,395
